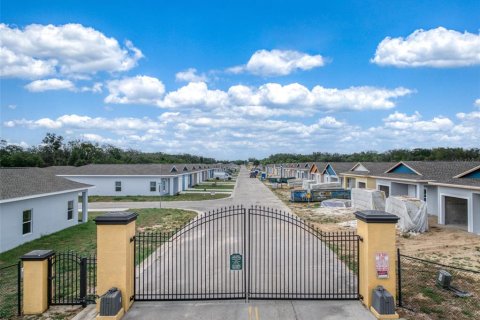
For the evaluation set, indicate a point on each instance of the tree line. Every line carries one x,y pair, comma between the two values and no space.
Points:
419,154
55,151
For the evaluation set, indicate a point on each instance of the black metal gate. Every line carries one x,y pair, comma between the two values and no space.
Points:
73,279
235,253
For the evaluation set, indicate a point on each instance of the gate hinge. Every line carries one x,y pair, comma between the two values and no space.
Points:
360,238
360,297
132,239
132,297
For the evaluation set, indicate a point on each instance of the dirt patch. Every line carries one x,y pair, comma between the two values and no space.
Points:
442,244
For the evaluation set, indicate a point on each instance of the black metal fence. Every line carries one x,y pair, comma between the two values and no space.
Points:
419,293
235,253
73,279
10,291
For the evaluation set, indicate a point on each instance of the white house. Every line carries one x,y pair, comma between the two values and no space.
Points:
137,179
34,202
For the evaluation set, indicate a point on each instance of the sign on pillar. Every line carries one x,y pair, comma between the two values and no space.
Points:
377,249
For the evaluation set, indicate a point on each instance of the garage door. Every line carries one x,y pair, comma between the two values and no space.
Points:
456,211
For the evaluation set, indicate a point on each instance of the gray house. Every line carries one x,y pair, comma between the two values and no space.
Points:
35,202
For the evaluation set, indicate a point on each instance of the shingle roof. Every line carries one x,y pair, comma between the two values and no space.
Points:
374,168
435,171
124,169
340,167
24,182
320,165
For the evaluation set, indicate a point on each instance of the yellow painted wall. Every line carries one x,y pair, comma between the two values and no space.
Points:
35,288
377,237
369,182
115,254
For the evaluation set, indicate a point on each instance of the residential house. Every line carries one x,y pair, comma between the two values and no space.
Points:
138,179
34,202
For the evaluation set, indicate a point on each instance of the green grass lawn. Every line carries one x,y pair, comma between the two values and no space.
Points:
212,186
82,237
179,197
82,240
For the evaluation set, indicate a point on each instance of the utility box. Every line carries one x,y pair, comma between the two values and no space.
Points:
382,301
111,302
444,279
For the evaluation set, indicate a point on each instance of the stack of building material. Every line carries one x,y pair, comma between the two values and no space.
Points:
306,184
326,185
411,211
368,199
336,203
292,183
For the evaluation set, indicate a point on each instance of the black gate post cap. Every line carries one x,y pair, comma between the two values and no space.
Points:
119,217
376,216
37,255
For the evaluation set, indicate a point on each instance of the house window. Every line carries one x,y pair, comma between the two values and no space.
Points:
425,194
27,221
118,186
362,185
164,185
70,210
153,186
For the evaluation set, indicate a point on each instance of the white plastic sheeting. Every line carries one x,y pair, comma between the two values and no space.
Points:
336,203
411,211
292,183
368,199
306,184
326,185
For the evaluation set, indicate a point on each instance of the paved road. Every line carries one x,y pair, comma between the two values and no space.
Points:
254,310
285,259
247,192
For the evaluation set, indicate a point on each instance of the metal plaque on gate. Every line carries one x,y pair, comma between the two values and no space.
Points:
236,261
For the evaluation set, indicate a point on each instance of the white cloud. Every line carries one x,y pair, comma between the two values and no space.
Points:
477,103
294,97
190,75
437,48
402,121
139,89
12,106
50,84
194,94
236,135
71,49
279,62
95,88
73,121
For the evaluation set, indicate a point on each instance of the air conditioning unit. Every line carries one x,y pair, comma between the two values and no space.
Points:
111,302
382,301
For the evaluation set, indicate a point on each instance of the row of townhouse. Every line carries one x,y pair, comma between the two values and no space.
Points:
36,202
451,189
138,179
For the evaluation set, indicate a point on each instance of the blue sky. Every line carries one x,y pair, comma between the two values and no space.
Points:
239,79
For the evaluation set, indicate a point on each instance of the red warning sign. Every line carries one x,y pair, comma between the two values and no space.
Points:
381,265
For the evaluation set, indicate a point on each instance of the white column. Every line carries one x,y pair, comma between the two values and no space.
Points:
85,206
170,187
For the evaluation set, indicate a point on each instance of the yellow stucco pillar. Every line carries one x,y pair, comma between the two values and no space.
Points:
377,252
115,254
35,281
